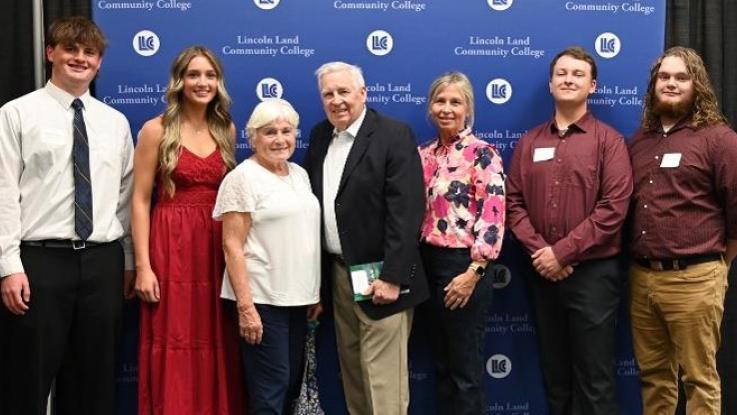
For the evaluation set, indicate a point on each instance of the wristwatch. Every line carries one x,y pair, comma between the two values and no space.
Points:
479,270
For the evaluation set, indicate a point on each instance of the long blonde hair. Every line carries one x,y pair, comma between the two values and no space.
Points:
218,116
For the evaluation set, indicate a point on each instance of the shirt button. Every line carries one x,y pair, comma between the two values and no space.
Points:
555,205
563,141
645,206
644,232
657,157
557,182
559,160
651,182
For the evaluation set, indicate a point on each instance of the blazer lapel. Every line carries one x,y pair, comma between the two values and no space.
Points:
321,144
359,147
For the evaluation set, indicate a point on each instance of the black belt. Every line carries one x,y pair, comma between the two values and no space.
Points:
676,264
63,244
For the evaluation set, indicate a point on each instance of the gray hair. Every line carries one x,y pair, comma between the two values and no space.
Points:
268,111
330,67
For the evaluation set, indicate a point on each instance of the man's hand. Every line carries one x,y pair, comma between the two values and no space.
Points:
384,292
129,282
547,265
16,293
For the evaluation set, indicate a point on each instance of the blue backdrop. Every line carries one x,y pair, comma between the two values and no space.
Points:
272,48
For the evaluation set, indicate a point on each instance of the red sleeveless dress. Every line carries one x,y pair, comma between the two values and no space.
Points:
188,349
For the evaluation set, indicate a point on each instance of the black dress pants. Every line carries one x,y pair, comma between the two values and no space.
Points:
69,333
457,336
576,330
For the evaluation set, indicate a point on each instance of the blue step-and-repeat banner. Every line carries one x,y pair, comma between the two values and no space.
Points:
272,47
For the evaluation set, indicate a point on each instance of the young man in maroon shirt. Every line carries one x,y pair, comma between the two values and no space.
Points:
567,196
684,227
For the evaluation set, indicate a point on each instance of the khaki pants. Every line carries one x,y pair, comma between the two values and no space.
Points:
676,317
372,353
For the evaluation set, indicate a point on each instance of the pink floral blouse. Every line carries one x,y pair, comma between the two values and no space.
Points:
464,184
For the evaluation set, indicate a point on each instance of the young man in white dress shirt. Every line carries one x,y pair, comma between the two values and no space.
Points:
65,180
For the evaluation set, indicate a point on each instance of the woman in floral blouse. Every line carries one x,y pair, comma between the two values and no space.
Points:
462,234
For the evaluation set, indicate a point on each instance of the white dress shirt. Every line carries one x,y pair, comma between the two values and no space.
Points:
36,179
332,171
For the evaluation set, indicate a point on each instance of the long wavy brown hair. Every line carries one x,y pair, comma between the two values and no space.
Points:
218,116
705,109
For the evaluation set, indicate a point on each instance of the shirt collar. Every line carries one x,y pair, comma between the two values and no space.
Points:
352,129
582,125
64,98
460,137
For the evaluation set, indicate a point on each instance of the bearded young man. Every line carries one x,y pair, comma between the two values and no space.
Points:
684,218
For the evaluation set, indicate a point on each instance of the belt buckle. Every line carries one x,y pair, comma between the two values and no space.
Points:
79,244
676,265
657,265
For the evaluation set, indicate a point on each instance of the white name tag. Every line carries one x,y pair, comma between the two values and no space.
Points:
670,160
543,153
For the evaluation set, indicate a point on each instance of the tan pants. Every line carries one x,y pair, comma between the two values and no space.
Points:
372,354
676,317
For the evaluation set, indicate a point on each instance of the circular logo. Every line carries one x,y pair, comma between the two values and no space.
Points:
146,43
501,279
499,366
499,91
379,42
607,45
266,4
269,88
500,5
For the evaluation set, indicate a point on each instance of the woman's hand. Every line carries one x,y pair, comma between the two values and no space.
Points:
314,311
249,324
459,290
147,286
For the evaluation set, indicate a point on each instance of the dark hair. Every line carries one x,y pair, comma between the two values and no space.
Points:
576,52
75,30
705,108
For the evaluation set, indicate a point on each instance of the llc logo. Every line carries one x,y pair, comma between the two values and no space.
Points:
266,4
146,43
269,88
499,366
379,42
607,45
501,279
500,5
499,91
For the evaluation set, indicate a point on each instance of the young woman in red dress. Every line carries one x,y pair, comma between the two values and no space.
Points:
188,354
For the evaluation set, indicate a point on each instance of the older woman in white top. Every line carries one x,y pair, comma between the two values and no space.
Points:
271,238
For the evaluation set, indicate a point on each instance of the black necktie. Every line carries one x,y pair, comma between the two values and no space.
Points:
82,183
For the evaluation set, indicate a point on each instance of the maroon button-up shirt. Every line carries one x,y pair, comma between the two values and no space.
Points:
575,199
685,198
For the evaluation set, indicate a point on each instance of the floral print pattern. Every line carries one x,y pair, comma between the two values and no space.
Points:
464,183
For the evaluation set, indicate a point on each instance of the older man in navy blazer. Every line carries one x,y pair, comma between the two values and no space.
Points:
366,172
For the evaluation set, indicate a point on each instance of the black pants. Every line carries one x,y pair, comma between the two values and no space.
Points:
576,329
69,333
274,368
457,336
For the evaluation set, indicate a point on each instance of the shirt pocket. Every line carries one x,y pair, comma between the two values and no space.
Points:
47,152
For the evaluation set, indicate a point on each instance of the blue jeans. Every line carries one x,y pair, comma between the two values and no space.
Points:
273,369
457,336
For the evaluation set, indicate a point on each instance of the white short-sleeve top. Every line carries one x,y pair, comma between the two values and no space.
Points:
282,248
